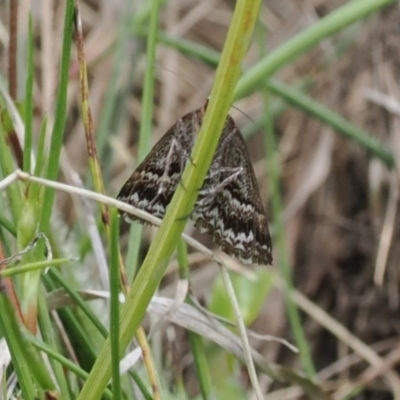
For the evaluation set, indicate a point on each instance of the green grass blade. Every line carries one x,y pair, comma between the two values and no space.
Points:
334,120
113,112
11,331
335,21
8,225
16,339
191,49
60,118
114,304
33,266
146,118
14,193
195,340
280,242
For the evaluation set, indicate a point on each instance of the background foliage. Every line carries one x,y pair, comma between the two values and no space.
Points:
317,105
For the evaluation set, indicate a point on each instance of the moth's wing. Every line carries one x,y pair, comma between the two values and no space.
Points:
142,188
235,217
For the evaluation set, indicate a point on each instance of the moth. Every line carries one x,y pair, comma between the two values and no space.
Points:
229,205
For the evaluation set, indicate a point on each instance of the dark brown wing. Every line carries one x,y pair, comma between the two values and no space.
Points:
142,188
235,217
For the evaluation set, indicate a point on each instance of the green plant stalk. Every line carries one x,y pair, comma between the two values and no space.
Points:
191,49
183,261
195,340
140,18
34,266
146,126
335,21
60,118
252,128
140,384
114,304
146,117
284,264
5,246
201,365
29,101
132,255
334,120
165,242
10,329
7,224
47,332
14,192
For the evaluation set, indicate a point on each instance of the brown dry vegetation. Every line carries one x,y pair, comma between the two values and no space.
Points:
340,203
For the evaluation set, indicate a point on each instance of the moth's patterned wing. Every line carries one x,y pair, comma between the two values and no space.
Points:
142,189
229,205
235,217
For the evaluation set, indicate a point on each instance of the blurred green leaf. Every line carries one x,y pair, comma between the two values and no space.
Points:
251,295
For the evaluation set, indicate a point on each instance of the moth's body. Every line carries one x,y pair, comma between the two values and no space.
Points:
229,205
